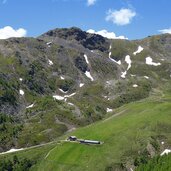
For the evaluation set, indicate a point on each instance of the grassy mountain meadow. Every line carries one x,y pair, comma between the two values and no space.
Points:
69,82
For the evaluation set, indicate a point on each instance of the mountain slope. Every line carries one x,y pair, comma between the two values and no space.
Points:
67,78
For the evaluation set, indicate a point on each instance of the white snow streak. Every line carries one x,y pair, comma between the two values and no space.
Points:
58,97
123,75
149,61
12,151
128,61
70,95
50,62
166,151
110,53
146,77
21,92
63,97
87,73
86,58
118,62
62,91
135,85
109,110
49,43
71,104
62,78
139,50
30,106
81,84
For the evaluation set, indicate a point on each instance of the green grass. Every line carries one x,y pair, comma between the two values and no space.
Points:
157,164
124,137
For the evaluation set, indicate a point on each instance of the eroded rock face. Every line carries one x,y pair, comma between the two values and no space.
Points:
81,64
151,150
90,41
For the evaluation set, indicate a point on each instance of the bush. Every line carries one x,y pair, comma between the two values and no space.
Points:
16,165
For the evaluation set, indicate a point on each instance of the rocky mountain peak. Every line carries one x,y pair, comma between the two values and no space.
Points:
90,41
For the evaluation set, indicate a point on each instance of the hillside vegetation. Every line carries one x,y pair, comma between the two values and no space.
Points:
131,136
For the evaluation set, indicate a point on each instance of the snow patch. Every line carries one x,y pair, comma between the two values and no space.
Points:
123,74
109,110
108,82
166,151
146,77
139,50
149,61
49,43
87,73
30,106
70,95
71,104
162,59
110,53
50,62
132,75
81,84
12,150
58,97
63,97
86,58
162,142
128,61
118,62
21,92
62,78
62,91
135,85
20,79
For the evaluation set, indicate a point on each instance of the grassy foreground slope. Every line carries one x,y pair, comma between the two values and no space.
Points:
126,135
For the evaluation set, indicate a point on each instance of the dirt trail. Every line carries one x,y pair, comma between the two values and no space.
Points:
117,114
22,149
